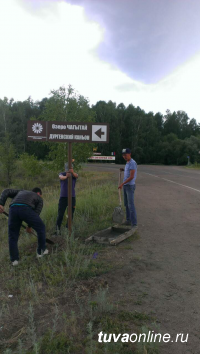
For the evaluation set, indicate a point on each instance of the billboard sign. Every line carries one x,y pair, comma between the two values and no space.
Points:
63,132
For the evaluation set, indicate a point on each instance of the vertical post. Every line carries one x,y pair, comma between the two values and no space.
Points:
70,189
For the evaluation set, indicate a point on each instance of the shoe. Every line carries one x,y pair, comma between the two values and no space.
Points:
127,222
15,263
134,227
57,233
42,253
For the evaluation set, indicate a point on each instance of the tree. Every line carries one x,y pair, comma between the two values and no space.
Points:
193,148
172,124
67,106
5,113
7,159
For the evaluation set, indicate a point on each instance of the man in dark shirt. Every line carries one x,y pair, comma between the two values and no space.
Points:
63,201
25,206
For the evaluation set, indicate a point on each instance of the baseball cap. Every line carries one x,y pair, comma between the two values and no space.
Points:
126,151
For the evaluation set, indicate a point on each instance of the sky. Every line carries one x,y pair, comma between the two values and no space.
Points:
143,52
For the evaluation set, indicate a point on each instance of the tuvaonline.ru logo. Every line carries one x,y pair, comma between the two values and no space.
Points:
149,337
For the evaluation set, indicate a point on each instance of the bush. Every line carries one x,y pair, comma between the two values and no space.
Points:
31,165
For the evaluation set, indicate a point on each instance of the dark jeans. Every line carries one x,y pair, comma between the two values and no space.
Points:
129,203
62,206
17,214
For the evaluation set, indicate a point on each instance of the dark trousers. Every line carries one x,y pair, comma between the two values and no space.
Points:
17,214
62,206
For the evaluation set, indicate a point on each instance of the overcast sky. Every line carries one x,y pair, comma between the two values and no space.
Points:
144,52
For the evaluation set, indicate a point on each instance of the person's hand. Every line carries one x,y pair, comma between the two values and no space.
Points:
68,174
71,170
29,230
121,169
120,186
1,209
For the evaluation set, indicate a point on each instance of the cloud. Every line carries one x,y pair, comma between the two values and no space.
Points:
46,48
179,91
46,44
146,39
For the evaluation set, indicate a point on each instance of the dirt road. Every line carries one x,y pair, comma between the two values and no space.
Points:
161,273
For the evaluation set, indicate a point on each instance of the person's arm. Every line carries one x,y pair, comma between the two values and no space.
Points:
74,174
132,173
63,176
7,193
39,206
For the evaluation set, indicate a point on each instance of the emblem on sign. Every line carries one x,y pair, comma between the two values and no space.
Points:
37,128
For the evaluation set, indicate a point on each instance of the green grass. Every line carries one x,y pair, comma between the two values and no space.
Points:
194,166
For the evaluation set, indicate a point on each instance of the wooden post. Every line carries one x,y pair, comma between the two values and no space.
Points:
70,189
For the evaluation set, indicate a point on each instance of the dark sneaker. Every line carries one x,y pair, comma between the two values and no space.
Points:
127,223
134,227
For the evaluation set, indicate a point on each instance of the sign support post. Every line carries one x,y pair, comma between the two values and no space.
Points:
70,189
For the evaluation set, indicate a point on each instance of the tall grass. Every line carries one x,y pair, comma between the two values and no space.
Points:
94,207
35,283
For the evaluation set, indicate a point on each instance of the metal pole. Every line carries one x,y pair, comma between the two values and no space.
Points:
70,189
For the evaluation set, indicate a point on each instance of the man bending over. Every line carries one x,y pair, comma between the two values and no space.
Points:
25,206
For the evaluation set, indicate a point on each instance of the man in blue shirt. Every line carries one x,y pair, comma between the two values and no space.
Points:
63,201
130,175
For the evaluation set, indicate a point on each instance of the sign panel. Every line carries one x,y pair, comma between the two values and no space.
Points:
102,158
64,132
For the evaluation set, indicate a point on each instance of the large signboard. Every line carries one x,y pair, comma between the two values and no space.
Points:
64,132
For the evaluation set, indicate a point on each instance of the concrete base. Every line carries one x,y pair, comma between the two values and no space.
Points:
112,235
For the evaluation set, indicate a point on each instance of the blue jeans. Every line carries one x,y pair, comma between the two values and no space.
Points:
17,214
129,203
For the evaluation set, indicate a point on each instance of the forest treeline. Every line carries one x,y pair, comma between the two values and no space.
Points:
152,137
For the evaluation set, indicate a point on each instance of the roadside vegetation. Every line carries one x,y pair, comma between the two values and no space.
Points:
152,137
194,166
60,303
